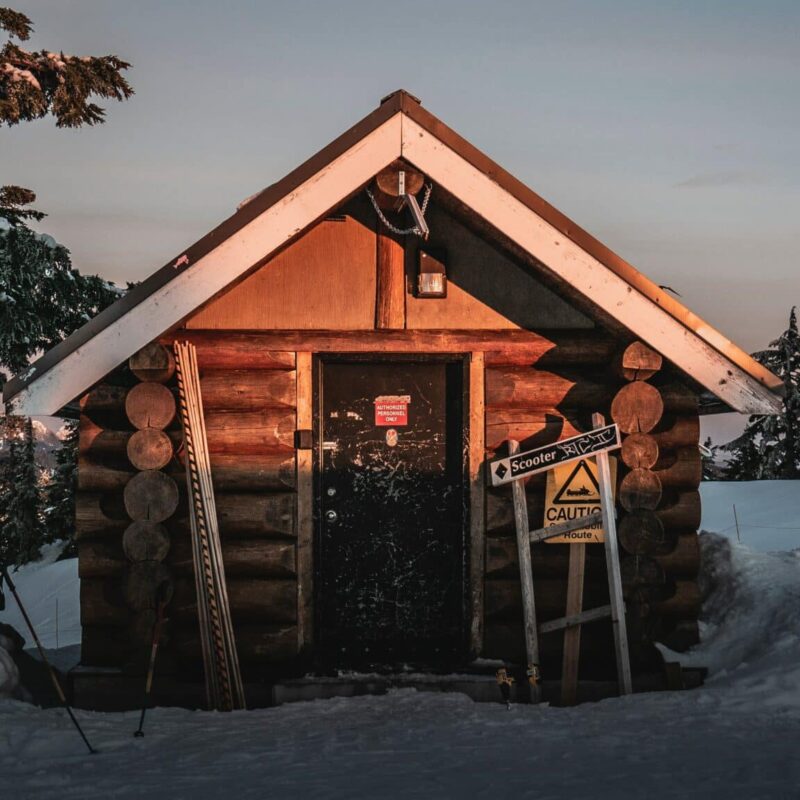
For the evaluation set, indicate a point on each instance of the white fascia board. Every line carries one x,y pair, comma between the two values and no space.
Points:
254,242
598,283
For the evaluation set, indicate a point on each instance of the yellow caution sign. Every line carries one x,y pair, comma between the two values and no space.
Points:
573,492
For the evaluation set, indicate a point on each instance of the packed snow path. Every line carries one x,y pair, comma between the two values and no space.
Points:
411,744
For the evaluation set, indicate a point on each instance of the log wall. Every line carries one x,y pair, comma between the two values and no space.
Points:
535,406
536,388
250,416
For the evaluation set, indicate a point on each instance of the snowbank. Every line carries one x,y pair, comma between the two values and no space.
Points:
768,512
51,593
750,628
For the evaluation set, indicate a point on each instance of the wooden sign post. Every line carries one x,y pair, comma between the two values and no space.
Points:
514,469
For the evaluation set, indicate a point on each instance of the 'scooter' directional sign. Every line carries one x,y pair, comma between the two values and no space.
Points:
599,440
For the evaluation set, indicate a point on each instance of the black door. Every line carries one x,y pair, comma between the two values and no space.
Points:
390,556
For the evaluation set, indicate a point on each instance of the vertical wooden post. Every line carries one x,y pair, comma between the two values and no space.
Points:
526,578
572,634
477,495
612,565
305,506
390,302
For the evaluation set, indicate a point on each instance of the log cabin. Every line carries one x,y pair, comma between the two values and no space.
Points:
370,331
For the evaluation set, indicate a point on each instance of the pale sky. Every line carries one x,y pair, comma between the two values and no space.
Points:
667,129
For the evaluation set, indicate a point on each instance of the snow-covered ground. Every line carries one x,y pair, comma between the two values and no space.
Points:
50,591
734,738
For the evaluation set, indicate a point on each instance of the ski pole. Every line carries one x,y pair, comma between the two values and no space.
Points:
162,604
45,660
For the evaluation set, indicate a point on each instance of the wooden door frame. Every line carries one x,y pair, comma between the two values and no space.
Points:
310,530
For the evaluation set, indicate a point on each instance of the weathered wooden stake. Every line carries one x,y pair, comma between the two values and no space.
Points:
612,563
526,577
572,634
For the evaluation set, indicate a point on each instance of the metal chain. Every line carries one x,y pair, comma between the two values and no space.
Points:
394,228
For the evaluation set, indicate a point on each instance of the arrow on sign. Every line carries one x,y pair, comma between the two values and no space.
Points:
599,440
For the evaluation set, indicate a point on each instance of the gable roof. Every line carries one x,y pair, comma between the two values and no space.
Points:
399,128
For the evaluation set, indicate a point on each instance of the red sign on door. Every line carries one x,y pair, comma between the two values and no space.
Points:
392,410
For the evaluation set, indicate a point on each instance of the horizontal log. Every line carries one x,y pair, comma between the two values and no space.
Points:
140,632
249,432
504,597
240,515
154,362
637,362
151,495
547,561
567,348
107,469
102,603
677,509
100,558
247,389
149,449
145,541
99,516
680,469
242,558
105,407
146,584
639,451
254,643
641,532
542,389
530,428
683,511
103,646
683,561
640,488
677,430
684,604
678,398
251,599
150,405
94,477
257,558
249,516
637,407
101,445
236,350
271,470
641,571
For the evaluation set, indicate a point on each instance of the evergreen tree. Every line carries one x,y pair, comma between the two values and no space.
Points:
22,532
34,84
59,511
770,445
42,298
708,453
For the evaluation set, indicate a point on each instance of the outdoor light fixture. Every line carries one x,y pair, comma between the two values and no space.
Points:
396,188
431,278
